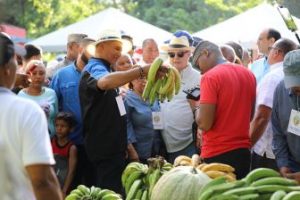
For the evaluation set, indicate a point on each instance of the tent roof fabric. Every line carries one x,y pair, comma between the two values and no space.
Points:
106,19
246,27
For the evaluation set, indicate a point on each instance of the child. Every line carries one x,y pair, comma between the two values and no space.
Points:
65,152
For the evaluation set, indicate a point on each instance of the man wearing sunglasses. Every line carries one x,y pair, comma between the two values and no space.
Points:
178,115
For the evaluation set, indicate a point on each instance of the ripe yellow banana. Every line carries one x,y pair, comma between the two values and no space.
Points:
215,174
201,166
181,158
230,178
217,167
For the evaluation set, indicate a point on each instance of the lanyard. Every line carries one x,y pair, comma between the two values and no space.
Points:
297,103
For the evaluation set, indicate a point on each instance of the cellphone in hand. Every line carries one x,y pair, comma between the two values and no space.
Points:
193,93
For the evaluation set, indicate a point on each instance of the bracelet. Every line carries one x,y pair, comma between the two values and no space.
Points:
142,74
195,109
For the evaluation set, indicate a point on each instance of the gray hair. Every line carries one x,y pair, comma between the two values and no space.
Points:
209,46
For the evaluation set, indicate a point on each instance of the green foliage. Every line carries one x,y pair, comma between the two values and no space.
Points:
43,16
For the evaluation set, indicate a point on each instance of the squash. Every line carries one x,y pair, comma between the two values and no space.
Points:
180,183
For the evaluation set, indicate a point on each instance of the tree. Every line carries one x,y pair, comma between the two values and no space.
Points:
188,14
43,16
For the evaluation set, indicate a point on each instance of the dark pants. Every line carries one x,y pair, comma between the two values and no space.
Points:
109,172
85,170
238,158
187,151
258,161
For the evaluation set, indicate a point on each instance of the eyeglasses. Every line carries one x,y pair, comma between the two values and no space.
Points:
179,54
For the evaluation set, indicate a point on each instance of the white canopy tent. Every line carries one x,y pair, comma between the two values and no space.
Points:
106,19
246,27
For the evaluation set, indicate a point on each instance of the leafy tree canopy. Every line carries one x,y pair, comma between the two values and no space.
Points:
43,16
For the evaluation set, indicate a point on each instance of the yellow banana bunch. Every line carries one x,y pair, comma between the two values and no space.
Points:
182,160
163,88
215,170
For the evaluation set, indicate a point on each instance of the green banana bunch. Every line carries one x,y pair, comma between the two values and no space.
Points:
134,189
139,179
260,184
94,193
137,175
153,178
163,88
130,168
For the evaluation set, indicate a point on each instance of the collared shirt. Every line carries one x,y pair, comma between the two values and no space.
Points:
103,126
260,68
65,83
178,115
52,71
286,145
139,125
265,91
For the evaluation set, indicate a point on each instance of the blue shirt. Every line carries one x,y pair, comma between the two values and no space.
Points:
140,127
65,83
286,145
260,68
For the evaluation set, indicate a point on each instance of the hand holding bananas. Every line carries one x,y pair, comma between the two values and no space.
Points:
162,82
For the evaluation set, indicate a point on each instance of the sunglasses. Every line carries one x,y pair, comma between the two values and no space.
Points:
179,54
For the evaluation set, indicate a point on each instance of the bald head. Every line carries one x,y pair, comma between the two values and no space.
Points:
207,55
150,50
228,52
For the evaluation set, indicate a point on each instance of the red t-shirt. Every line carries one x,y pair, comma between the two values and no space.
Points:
232,89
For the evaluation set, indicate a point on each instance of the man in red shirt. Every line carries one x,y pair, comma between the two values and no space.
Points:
225,109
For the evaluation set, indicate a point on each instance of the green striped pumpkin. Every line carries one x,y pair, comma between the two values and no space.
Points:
180,183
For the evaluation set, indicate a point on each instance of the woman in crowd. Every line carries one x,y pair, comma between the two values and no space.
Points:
144,141
124,63
44,96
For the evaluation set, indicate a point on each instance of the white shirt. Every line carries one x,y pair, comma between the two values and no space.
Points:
24,133
265,92
178,115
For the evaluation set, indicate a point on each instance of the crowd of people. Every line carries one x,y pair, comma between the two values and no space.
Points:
89,108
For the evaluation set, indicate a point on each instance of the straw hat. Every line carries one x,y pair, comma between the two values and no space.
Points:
178,43
113,35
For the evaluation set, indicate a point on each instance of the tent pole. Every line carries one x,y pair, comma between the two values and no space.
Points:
297,36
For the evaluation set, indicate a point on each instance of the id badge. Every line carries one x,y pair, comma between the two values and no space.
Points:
157,120
294,123
121,105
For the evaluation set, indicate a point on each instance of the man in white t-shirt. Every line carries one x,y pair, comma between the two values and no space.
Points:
24,134
261,132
